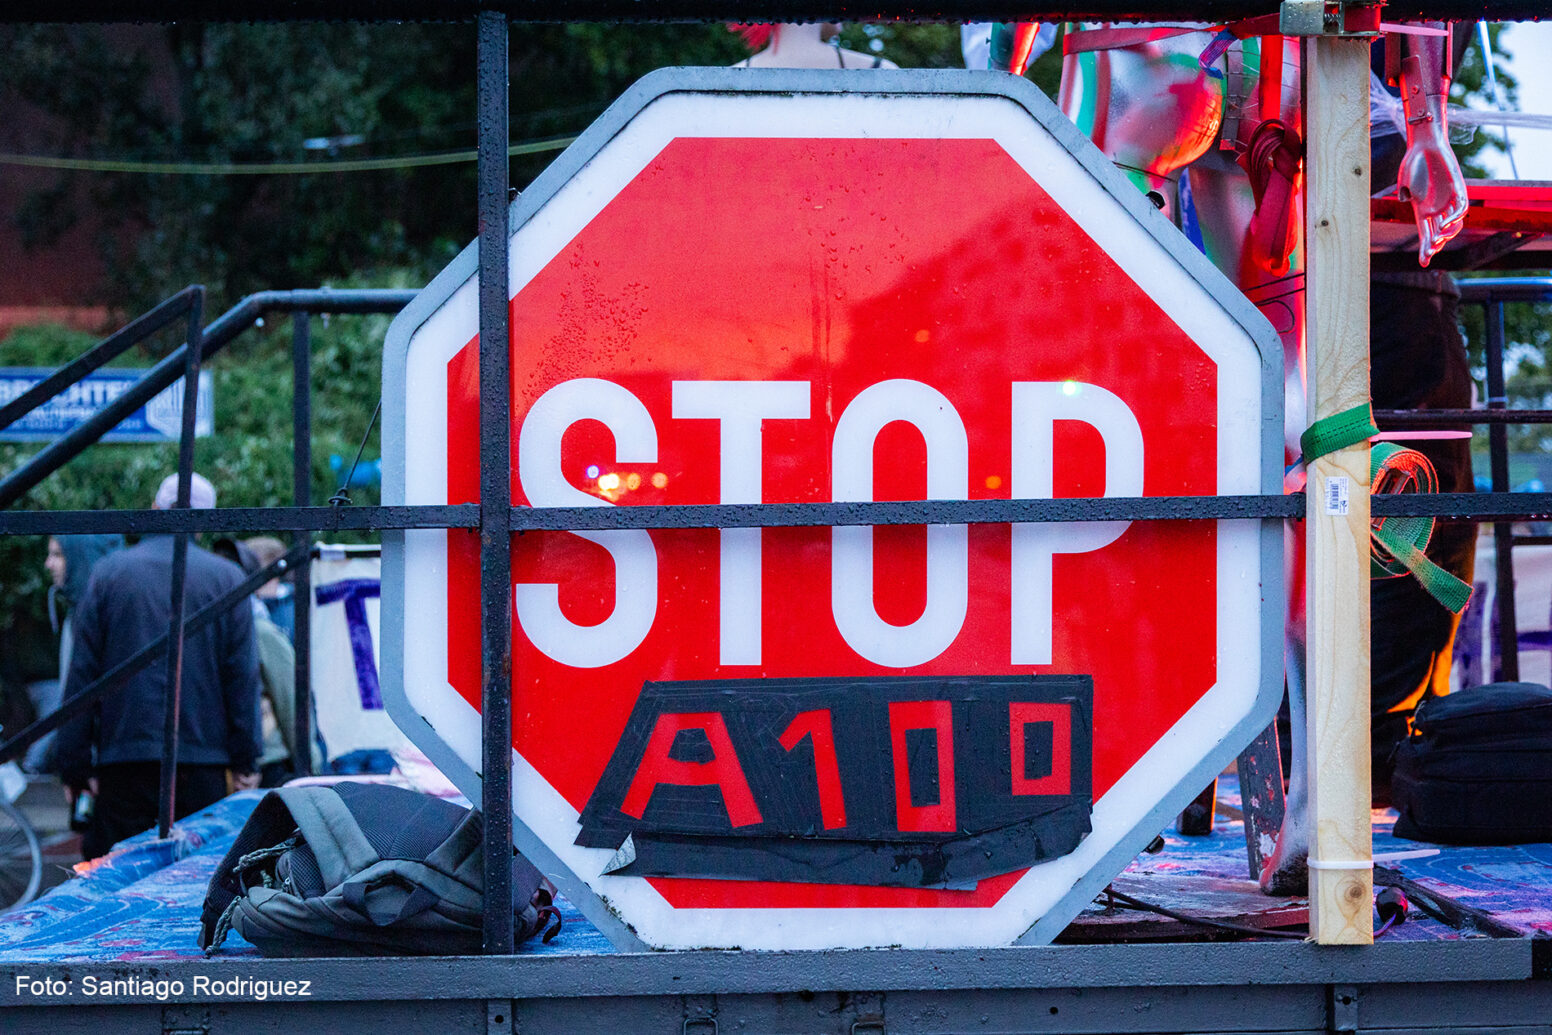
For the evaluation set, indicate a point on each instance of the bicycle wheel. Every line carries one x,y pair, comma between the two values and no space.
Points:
21,858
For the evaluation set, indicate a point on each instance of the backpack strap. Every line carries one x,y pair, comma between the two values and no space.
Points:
420,899
461,854
331,831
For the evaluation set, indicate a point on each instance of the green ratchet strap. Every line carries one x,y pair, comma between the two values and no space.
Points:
1338,431
1396,544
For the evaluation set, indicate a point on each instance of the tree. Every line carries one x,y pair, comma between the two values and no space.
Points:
261,93
240,94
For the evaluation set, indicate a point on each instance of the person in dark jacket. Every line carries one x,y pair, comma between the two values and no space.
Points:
125,607
69,561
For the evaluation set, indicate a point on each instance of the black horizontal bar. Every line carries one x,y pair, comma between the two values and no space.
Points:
1461,506
236,519
1466,506
915,512
1503,289
621,988
72,443
341,301
1397,419
714,10
147,655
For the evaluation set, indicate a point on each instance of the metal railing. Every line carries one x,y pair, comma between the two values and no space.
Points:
494,516
199,343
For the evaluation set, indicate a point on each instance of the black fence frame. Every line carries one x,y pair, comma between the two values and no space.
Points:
200,342
1492,294
494,517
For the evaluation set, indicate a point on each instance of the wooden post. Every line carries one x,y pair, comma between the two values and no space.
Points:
1337,524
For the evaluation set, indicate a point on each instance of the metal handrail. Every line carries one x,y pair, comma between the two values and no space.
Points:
1493,293
200,342
1505,289
217,335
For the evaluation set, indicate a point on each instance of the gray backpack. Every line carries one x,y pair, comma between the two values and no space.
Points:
362,870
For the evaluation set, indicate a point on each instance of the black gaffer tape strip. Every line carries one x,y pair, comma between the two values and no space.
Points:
895,781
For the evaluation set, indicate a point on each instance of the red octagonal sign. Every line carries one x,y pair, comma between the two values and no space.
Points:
751,287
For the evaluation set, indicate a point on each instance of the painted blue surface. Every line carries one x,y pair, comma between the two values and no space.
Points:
144,901
1513,883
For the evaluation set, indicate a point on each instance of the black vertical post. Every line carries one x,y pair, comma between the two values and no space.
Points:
171,698
1503,531
495,483
302,573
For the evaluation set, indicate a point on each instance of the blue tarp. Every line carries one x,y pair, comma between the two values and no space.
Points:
144,901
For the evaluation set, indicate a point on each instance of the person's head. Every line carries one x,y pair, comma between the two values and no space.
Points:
202,495
55,561
71,559
757,36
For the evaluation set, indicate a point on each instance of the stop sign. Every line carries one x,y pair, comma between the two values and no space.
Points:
786,287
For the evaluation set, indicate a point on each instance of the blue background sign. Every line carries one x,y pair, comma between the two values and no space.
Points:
159,420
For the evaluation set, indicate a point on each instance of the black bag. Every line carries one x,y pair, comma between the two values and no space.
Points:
362,870
1477,768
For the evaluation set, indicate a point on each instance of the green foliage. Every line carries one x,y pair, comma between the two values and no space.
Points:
907,45
255,93
200,93
93,482
1471,83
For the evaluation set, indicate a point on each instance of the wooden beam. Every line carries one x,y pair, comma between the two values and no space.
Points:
1337,522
